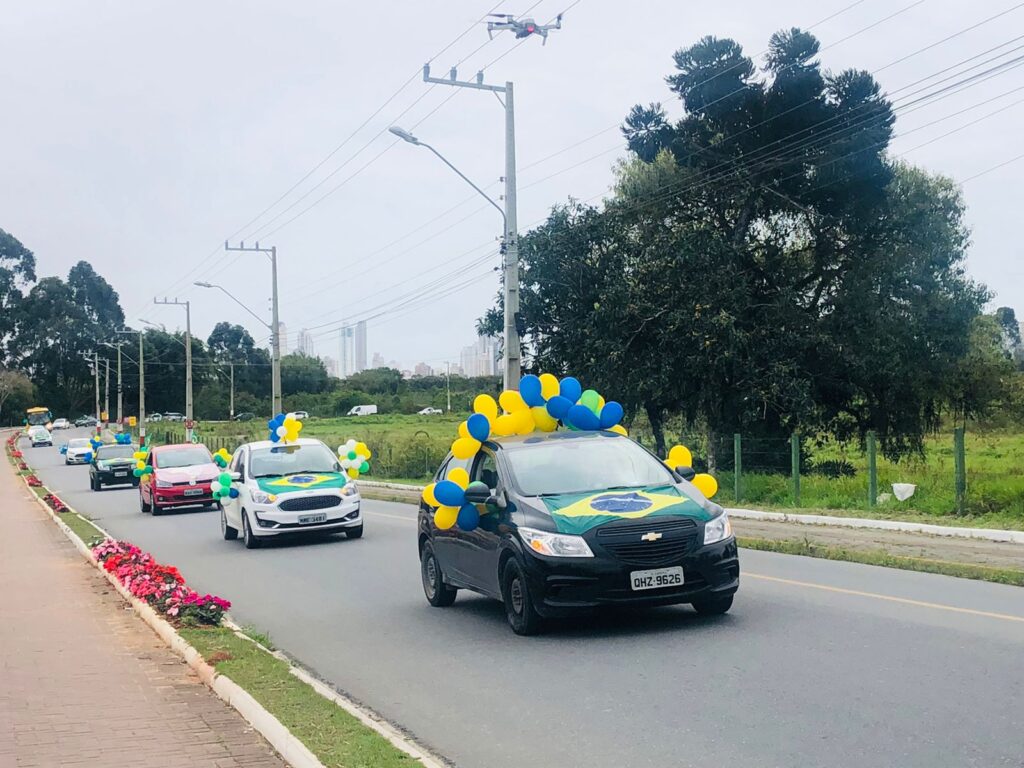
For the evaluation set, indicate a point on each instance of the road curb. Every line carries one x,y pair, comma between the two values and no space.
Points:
985,534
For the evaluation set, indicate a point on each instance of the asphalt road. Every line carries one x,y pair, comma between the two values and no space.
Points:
819,663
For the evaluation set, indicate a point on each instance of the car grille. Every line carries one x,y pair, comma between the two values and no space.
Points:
622,540
306,503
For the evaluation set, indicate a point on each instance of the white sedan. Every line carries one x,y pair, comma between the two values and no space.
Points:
285,488
79,451
39,436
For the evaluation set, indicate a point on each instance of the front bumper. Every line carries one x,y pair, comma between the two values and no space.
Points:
560,586
117,476
71,458
273,521
180,496
37,443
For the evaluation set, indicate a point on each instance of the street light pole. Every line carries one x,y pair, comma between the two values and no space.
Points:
120,402
96,376
188,363
231,367
106,391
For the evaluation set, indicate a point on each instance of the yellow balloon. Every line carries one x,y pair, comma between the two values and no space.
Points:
368,454
485,404
503,426
548,385
512,401
428,495
524,422
141,455
544,421
361,449
600,404
706,484
679,456
619,430
140,465
465,448
464,430
353,472
460,477
298,426
445,517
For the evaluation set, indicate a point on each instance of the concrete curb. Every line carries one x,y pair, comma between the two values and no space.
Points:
986,534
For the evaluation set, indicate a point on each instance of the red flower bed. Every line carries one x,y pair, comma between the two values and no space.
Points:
22,465
34,481
17,454
162,586
55,503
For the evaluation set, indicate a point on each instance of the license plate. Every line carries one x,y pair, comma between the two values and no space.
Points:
193,492
656,578
318,518
120,474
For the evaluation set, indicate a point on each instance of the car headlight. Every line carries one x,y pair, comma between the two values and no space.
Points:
164,483
262,498
555,544
717,529
348,489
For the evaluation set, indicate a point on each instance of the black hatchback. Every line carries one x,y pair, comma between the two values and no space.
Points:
573,521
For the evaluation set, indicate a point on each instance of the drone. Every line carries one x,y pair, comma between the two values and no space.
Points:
523,28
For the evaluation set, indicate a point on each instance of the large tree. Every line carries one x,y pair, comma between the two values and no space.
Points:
17,270
229,343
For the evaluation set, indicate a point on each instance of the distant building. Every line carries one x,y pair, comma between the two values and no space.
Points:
352,349
305,343
378,360
480,358
282,337
422,369
331,365
360,346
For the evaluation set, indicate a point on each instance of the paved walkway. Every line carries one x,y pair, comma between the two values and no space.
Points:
83,681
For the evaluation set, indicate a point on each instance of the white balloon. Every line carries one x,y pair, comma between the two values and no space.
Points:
216,487
350,445
290,415
281,431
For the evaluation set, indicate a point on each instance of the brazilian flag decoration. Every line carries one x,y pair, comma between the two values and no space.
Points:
292,483
577,513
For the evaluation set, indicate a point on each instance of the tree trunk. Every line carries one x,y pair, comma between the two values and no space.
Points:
657,428
712,456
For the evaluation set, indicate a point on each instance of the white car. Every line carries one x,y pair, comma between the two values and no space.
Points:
40,436
301,415
430,412
79,451
62,424
288,488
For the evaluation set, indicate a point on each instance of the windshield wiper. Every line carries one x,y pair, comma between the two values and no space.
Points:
268,474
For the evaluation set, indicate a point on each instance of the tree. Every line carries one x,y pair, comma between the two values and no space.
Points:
302,373
17,270
230,343
1010,330
985,376
15,387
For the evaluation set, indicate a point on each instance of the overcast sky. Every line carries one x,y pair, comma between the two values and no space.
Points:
139,135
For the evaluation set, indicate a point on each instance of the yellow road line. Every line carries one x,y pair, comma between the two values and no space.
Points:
889,598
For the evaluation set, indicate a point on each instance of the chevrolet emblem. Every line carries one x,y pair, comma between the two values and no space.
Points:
652,536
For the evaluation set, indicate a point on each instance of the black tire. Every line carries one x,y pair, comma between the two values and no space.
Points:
519,609
95,483
229,533
143,506
250,541
713,606
438,594
354,533
156,509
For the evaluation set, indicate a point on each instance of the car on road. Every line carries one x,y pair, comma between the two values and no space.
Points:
301,415
578,521
86,421
181,477
247,416
154,417
79,451
62,424
174,417
289,488
430,412
112,464
38,435
362,410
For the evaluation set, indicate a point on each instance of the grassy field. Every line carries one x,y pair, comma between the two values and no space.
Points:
409,448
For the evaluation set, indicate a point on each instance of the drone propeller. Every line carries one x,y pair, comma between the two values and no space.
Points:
502,15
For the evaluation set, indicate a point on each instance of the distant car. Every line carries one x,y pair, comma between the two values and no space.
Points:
62,424
79,451
430,412
112,464
301,415
294,488
247,416
362,410
155,417
174,417
181,476
86,421
39,436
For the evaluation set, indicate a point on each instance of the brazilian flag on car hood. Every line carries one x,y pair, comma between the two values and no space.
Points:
305,482
579,512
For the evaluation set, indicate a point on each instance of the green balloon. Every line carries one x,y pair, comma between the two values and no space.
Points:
224,479
590,399
352,455
364,467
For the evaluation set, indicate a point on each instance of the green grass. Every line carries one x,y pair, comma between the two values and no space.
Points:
263,638
883,558
331,733
83,529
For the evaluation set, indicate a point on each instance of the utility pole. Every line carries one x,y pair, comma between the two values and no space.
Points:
189,423
96,376
106,391
142,393
448,384
510,241
275,322
231,367
120,402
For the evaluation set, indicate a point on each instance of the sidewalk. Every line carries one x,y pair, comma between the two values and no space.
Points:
83,682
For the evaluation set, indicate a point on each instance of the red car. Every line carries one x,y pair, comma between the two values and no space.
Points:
181,477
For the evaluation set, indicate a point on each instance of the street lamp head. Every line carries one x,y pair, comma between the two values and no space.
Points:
403,134
201,284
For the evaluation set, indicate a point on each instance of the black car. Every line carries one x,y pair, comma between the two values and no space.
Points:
112,465
575,521
86,421
247,416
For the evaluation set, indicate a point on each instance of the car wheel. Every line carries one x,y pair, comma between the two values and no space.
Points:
519,609
251,542
438,594
354,533
713,606
144,507
156,509
229,533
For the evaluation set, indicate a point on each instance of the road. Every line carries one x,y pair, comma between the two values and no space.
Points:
820,663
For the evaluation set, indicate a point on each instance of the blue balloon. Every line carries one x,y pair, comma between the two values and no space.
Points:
64,449
570,389
479,427
611,414
233,493
271,425
274,437
449,494
582,417
88,458
469,516
559,406
530,389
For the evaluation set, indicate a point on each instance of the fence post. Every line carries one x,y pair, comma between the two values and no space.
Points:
872,470
794,449
737,450
960,470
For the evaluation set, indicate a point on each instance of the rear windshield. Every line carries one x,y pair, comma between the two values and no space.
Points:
186,456
115,452
581,463
292,460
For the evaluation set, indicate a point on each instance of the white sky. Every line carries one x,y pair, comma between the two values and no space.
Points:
139,135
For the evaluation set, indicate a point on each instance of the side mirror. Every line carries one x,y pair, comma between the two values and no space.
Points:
477,493
687,473
235,476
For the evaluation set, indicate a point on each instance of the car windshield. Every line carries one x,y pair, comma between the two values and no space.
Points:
278,460
578,463
186,456
78,442
115,452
